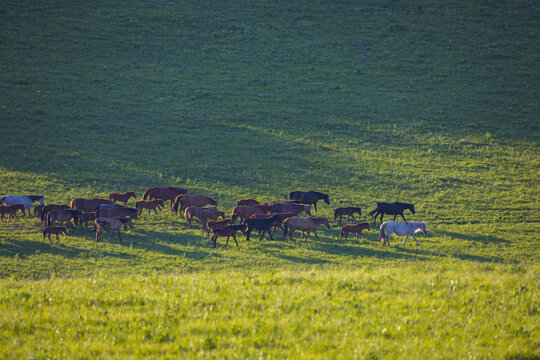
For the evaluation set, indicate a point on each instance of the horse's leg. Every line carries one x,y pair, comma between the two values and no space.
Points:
119,238
414,237
403,217
57,238
227,242
234,237
406,237
317,236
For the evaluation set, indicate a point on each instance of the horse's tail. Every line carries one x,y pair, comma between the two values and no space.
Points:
73,203
2,200
383,233
145,194
48,221
176,203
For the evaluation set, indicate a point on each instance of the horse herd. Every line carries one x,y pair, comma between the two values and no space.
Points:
106,215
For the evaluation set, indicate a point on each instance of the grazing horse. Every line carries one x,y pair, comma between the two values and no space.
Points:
187,200
306,225
123,198
112,225
11,210
356,228
209,224
246,211
202,213
228,231
349,211
68,215
290,208
25,200
406,228
48,208
117,212
48,230
247,202
395,209
149,205
88,205
263,225
309,197
163,193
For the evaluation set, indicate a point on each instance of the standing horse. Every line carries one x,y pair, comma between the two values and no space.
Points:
263,225
67,216
48,230
123,198
349,211
187,200
356,228
11,210
24,200
202,213
149,205
247,202
395,209
406,228
228,231
309,197
306,225
88,205
50,207
290,208
111,224
163,193
246,211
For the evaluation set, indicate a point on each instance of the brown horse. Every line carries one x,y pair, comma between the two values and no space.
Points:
48,230
149,205
123,198
209,224
51,207
112,225
306,225
117,212
356,228
246,211
88,216
228,231
187,200
309,197
202,213
88,205
349,211
163,193
11,210
68,216
247,202
290,208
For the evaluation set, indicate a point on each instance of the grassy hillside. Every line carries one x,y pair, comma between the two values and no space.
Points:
431,104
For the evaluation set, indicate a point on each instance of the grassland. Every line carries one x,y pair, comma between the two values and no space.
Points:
367,101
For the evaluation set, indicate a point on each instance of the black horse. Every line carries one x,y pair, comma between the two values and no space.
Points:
309,197
261,224
395,209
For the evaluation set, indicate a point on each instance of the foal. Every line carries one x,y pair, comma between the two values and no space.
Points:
356,228
48,230
123,198
11,210
112,225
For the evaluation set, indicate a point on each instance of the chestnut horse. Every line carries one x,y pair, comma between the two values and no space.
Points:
246,211
349,211
11,210
149,205
209,224
48,230
306,225
247,202
88,205
67,216
163,193
202,213
123,198
309,197
356,228
187,200
228,231
290,208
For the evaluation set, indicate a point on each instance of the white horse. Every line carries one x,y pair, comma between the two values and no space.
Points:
25,200
406,228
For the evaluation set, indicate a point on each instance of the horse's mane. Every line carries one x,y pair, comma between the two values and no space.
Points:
35,197
319,194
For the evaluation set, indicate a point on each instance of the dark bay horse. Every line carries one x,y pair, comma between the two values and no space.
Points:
309,197
187,200
123,198
349,211
163,193
395,209
263,225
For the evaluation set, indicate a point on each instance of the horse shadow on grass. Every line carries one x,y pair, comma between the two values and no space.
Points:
461,256
474,237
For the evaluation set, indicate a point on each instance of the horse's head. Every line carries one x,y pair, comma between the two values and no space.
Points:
128,222
422,228
412,209
213,202
326,200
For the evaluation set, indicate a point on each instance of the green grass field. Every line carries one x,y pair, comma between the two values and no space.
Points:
426,103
